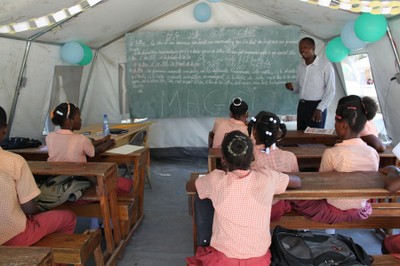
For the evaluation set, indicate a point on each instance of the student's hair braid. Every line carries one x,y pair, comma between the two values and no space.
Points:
369,105
63,112
355,113
268,125
237,150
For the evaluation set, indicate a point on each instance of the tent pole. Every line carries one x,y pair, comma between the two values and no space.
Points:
18,87
396,54
23,68
89,78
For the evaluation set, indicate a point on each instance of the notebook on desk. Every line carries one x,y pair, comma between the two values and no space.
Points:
125,149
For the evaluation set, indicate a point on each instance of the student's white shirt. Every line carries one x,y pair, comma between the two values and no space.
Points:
316,82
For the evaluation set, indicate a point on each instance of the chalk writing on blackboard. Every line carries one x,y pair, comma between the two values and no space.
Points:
192,73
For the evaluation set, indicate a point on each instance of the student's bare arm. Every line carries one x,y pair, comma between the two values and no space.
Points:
392,181
30,208
374,142
294,181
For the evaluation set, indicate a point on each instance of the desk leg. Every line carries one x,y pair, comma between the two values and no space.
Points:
105,213
212,164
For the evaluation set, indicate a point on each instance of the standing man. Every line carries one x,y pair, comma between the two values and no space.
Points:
315,84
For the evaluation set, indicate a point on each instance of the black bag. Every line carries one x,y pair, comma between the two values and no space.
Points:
19,143
305,248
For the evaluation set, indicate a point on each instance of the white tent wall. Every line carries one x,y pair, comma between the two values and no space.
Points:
34,98
11,55
384,67
179,132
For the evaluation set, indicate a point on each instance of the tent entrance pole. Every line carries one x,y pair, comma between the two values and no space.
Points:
396,54
18,87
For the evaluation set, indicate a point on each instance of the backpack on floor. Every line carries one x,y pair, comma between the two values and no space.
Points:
59,189
306,248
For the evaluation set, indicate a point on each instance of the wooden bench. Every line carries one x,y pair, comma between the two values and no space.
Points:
385,260
307,157
127,209
20,256
384,215
105,176
74,248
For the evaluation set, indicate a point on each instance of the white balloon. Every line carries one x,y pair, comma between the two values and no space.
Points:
349,37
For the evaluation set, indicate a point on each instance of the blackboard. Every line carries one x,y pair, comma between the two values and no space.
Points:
194,73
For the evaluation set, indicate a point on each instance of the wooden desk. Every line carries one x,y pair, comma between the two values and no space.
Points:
315,185
307,157
21,256
139,159
96,131
295,137
106,177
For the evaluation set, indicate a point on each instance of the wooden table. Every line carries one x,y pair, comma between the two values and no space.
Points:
139,159
295,137
106,177
316,185
22,256
95,131
307,157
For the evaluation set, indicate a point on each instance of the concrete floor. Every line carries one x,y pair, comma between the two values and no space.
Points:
165,235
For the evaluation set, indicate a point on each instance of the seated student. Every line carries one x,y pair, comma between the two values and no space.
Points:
242,200
237,121
391,244
369,134
265,127
65,146
352,154
21,223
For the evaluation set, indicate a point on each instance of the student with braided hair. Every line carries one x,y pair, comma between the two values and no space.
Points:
267,129
242,200
65,146
351,155
369,134
237,121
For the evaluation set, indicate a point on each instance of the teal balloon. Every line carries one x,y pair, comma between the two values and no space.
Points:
336,51
214,1
349,37
72,52
87,56
202,12
369,27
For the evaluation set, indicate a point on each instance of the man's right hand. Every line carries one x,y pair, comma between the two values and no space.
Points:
289,86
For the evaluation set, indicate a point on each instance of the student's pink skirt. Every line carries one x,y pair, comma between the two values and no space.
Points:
209,256
322,211
392,243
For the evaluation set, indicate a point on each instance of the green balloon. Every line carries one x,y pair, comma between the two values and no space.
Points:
369,27
87,55
336,51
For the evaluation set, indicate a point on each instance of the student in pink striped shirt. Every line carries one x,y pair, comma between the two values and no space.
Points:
351,155
237,121
242,200
267,129
369,134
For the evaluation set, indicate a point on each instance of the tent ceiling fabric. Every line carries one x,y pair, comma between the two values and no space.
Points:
111,19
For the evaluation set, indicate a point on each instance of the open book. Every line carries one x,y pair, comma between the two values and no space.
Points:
125,149
313,130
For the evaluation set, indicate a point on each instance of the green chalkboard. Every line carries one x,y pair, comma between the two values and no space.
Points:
194,73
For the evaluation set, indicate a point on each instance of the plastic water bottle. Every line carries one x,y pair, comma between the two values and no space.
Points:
106,127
